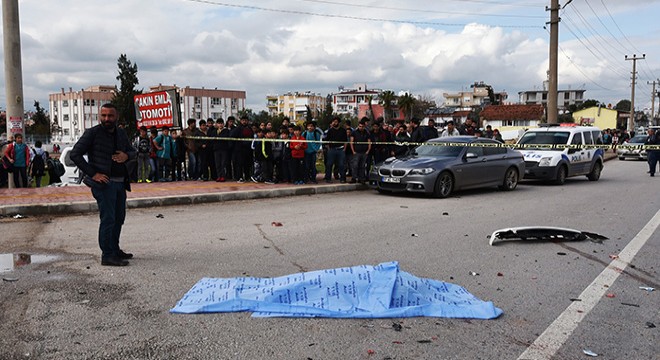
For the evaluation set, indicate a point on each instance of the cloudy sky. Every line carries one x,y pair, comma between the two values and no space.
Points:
265,47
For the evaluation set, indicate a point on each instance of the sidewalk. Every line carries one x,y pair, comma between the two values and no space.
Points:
78,199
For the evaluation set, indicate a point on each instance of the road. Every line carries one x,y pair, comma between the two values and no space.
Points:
69,307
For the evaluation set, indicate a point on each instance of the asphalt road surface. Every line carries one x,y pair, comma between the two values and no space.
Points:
558,298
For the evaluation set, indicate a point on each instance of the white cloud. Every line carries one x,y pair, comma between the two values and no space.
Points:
76,44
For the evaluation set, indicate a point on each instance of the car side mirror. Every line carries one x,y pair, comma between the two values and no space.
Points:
471,155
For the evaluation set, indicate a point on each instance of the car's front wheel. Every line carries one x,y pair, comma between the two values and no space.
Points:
444,185
594,175
562,174
510,179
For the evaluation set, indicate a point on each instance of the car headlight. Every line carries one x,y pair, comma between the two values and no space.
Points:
545,161
424,171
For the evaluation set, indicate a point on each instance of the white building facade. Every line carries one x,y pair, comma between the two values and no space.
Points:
347,101
75,111
294,105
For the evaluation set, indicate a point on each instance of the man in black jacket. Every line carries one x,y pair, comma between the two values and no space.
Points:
107,148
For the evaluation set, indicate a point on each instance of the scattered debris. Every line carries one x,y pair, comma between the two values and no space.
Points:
425,341
86,301
500,274
47,221
160,216
445,214
610,295
589,353
629,304
614,257
370,352
275,223
397,342
397,326
650,325
647,288
538,233
474,273
561,253
415,235
404,207
9,279
19,216
575,299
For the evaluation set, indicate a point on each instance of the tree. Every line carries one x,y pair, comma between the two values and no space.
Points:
387,99
370,113
123,98
623,105
422,105
326,117
407,105
309,116
40,127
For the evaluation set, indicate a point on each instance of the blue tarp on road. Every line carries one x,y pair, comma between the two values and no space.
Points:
365,291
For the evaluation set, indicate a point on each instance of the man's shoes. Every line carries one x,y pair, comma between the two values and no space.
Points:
113,261
139,181
254,179
148,181
652,175
269,182
124,255
240,181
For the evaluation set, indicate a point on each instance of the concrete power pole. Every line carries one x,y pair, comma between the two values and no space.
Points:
13,69
631,121
653,95
554,48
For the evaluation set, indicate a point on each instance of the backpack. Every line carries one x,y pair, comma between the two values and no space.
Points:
38,165
144,146
58,167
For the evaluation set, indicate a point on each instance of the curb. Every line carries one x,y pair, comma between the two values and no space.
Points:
84,207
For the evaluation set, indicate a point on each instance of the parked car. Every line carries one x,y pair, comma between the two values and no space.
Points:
444,165
629,153
555,152
72,175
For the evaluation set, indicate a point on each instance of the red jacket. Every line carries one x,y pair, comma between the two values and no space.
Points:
298,141
11,154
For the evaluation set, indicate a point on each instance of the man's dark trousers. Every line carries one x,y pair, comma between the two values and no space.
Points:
111,200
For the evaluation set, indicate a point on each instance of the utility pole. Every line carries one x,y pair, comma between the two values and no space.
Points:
634,58
13,69
653,95
554,48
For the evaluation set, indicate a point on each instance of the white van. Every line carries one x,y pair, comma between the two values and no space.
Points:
557,151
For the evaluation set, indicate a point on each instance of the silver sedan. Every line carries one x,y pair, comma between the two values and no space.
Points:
444,165
630,152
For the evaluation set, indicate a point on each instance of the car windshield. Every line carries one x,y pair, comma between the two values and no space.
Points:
544,138
438,149
639,139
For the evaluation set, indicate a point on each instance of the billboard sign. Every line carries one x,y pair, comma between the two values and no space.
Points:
160,108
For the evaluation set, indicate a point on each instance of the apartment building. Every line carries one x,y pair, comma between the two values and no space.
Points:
477,96
565,98
294,105
348,101
75,111
201,103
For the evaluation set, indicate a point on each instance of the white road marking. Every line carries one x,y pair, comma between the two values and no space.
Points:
551,340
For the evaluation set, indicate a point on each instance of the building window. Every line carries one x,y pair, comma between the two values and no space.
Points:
75,102
198,100
215,101
90,102
75,117
65,103
567,96
545,96
66,132
65,117
234,103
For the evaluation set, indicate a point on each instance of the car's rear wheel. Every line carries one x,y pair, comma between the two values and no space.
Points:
444,185
594,175
562,174
510,179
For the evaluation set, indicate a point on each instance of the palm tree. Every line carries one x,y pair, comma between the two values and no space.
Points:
387,99
407,105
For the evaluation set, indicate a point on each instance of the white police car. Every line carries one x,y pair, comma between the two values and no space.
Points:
558,151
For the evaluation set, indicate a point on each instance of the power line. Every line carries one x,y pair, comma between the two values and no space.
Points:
424,10
297,12
589,48
617,26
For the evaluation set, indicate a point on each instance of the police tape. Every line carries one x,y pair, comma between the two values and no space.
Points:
442,143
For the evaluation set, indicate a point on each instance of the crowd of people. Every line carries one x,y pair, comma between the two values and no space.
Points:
218,150
27,164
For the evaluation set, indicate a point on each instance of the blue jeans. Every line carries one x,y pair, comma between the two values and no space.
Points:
111,200
310,166
193,166
337,158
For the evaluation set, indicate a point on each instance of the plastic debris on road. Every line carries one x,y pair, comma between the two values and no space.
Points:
547,233
647,288
589,353
364,291
276,223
